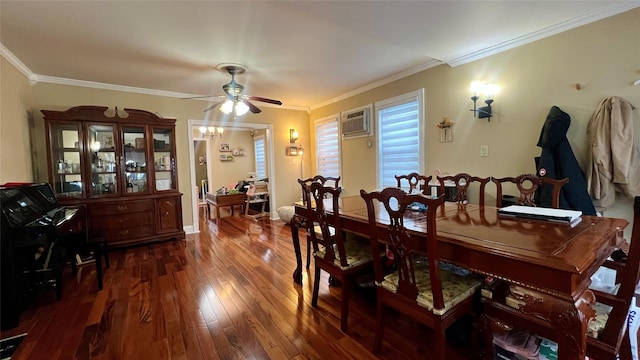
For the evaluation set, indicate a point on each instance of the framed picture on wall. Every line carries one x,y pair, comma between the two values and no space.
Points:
225,147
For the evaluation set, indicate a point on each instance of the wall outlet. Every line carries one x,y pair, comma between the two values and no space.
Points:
484,150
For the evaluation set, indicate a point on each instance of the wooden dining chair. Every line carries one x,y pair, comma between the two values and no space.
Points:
527,184
462,182
325,181
342,259
417,287
414,181
608,338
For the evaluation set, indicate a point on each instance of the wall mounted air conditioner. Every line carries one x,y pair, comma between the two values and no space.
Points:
356,123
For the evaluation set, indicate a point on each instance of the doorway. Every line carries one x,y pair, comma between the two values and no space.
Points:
215,164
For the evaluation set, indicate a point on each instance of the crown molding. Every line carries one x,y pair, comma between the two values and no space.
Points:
138,90
13,60
35,78
414,70
546,32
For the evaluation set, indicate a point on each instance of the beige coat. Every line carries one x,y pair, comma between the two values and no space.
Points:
614,159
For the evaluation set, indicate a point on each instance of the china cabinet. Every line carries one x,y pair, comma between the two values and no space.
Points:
122,166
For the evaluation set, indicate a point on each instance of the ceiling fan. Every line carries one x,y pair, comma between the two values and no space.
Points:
236,101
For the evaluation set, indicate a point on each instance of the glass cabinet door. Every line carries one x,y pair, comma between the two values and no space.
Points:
66,160
135,159
164,159
104,161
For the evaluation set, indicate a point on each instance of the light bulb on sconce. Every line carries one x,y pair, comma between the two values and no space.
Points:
294,150
488,90
293,136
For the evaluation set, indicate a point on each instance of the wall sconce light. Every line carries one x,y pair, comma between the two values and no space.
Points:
294,150
489,90
213,131
293,136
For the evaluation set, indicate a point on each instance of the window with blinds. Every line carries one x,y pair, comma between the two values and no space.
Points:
400,137
328,146
261,166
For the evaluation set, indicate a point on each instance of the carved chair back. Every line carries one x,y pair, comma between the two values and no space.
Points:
462,182
527,185
327,228
312,227
414,181
325,181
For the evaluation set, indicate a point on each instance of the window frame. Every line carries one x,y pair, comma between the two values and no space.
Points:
257,138
335,118
414,96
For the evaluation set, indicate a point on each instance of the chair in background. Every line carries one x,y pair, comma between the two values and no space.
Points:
415,182
325,181
527,185
608,332
342,259
258,193
462,182
202,202
418,287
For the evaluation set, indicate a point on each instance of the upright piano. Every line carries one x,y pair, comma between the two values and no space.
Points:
34,230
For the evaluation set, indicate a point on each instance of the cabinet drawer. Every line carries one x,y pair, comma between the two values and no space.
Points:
122,221
117,235
122,207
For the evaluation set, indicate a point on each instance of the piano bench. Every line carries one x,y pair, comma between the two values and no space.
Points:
98,246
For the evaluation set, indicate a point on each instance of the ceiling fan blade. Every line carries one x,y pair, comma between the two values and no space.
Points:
270,101
212,106
254,109
200,97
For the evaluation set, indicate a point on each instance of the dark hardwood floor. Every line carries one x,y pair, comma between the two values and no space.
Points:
225,293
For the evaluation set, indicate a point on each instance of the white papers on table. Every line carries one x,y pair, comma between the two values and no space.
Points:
540,213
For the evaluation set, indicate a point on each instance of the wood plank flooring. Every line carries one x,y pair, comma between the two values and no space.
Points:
225,293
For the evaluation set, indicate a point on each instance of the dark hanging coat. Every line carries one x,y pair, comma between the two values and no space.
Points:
557,161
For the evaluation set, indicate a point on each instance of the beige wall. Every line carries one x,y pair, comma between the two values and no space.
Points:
62,97
224,173
603,57
15,115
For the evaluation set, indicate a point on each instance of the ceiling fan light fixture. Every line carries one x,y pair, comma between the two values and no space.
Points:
227,107
241,108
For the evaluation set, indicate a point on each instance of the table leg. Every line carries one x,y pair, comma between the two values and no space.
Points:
571,324
296,223
569,319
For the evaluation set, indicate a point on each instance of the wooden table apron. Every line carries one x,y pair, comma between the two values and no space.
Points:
553,261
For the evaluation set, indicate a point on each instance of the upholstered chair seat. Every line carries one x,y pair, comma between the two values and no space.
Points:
455,288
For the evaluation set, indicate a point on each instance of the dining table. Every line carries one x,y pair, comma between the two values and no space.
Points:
553,261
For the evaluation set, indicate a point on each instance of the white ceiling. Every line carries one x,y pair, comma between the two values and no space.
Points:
304,53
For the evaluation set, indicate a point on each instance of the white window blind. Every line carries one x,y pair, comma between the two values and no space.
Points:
328,146
400,143
261,166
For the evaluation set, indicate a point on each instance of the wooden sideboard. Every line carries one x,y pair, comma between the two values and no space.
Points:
122,166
